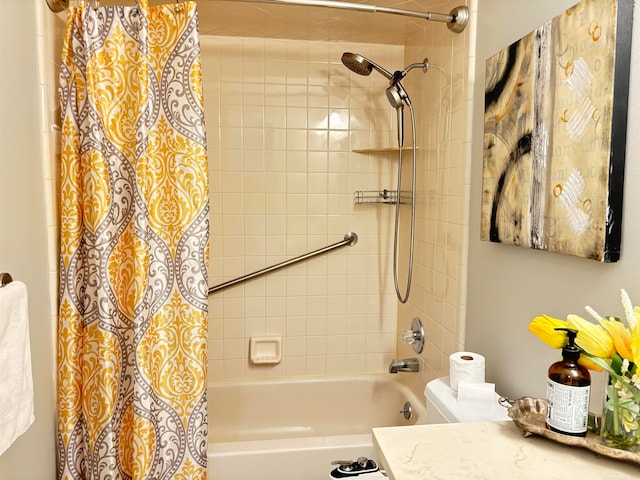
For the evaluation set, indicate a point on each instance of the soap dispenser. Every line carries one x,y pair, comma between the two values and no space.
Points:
568,388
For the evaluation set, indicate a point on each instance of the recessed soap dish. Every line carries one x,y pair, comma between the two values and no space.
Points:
265,350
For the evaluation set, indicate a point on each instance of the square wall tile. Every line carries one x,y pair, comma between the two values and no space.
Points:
283,176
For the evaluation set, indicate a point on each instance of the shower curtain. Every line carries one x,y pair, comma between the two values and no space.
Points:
134,242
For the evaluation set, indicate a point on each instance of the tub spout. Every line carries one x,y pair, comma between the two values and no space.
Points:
404,365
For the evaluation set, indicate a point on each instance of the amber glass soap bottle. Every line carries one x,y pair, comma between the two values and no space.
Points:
568,388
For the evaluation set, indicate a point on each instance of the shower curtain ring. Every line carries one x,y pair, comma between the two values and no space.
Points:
177,8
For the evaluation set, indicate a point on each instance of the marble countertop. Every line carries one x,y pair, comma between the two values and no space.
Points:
488,450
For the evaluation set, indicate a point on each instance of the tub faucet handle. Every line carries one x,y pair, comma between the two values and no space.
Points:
408,337
415,336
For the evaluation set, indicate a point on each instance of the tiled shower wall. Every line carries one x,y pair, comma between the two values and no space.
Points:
282,120
443,110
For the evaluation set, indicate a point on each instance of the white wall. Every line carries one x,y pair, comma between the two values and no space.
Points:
508,285
23,227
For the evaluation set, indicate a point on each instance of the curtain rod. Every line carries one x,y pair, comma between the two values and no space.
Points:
456,20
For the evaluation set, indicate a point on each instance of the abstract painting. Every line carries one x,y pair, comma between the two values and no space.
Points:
555,134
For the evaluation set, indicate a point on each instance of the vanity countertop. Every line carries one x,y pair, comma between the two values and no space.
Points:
488,450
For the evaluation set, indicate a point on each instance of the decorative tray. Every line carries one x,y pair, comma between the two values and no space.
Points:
529,414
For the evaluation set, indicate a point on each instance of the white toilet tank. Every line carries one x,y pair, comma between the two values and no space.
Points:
442,406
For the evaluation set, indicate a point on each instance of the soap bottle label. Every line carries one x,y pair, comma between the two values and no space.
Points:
567,407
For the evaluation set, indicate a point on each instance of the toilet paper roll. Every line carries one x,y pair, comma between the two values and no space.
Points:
478,400
467,367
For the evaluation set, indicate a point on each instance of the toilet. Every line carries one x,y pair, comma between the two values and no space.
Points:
442,406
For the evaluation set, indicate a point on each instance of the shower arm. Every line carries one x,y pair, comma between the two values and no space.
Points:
456,20
399,75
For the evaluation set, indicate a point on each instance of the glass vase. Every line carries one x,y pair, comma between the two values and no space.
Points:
620,427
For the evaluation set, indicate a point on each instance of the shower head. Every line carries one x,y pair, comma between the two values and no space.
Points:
398,97
363,66
396,94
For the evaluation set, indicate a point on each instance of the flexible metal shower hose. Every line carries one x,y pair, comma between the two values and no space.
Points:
403,298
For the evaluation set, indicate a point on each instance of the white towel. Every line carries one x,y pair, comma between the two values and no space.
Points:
16,383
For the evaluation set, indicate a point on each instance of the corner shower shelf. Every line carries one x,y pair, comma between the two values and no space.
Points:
380,150
387,197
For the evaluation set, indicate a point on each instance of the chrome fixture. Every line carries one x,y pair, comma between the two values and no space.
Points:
407,411
396,94
350,239
456,20
388,197
404,365
354,468
57,5
363,66
398,98
415,336
360,461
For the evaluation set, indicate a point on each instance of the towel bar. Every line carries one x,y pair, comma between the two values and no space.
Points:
5,279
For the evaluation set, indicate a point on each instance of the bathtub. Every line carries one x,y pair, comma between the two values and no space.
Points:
293,429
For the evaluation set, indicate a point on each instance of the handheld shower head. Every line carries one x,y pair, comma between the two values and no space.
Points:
363,66
397,96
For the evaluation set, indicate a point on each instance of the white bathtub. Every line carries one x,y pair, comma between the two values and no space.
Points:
294,429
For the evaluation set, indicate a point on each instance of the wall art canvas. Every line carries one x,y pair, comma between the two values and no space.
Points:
555,134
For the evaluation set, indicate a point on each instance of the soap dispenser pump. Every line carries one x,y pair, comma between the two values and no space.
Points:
568,388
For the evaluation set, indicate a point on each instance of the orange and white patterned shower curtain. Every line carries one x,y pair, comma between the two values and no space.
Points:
134,246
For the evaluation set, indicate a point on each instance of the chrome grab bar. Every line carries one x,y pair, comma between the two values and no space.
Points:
350,239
